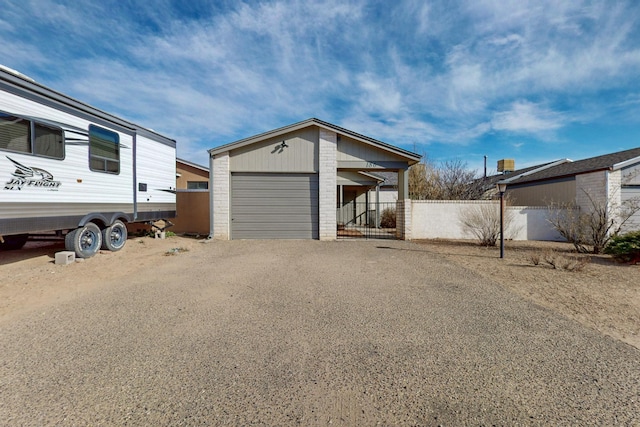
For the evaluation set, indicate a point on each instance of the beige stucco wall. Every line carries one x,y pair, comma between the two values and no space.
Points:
189,173
192,212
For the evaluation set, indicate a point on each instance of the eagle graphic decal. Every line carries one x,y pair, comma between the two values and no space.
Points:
27,176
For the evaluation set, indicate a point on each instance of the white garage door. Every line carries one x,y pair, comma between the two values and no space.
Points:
274,206
631,196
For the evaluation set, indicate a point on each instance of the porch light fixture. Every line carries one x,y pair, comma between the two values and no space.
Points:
502,187
283,145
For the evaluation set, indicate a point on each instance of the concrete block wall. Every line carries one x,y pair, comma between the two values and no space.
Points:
221,196
441,219
328,193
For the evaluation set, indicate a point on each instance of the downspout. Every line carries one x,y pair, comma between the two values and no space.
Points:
210,236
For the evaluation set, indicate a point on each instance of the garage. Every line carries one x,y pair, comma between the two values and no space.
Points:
274,206
283,183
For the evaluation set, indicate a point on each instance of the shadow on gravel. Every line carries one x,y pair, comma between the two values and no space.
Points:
32,250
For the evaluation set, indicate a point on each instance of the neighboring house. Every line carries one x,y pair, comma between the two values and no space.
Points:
612,178
191,176
488,183
192,198
286,183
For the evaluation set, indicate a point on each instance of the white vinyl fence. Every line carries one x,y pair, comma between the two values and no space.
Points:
432,219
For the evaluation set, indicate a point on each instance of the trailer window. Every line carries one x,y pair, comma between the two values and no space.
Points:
15,133
104,150
48,141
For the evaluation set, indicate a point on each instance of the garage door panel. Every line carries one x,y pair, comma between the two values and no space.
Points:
272,198
267,217
276,210
267,226
272,185
274,206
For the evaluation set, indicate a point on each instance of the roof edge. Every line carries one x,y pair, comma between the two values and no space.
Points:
536,170
322,124
625,163
193,165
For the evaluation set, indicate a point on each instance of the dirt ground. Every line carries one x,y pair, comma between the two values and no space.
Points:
601,294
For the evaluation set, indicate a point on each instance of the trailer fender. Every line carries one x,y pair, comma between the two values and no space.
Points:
98,218
103,220
119,216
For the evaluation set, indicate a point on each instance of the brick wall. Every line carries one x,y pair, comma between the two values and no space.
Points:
327,166
404,219
221,203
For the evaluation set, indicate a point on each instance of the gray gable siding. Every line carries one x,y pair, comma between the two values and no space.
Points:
350,150
299,155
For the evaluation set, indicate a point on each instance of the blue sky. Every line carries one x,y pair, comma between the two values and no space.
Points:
530,80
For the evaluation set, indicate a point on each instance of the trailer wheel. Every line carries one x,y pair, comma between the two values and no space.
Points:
84,241
115,236
13,242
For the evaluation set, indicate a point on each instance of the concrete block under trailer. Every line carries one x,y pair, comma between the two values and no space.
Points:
73,169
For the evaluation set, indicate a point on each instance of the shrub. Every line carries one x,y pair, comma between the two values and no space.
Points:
388,218
558,261
591,228
535,258
483,221
625,247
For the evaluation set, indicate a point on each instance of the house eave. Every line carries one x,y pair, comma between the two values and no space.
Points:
625,163
412,158
193,165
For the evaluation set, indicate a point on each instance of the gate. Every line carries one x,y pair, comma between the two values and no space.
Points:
366,220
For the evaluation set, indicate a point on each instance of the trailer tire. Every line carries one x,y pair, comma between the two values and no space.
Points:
13,242
84,241
114,237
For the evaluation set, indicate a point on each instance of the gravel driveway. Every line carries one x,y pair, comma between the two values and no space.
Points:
352,333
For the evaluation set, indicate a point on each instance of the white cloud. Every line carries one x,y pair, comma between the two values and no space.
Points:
407,72
527,117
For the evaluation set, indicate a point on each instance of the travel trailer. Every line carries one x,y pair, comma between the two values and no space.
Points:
69,168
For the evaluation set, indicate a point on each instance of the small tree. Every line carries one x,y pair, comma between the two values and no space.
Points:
590,230
449,180
483,221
